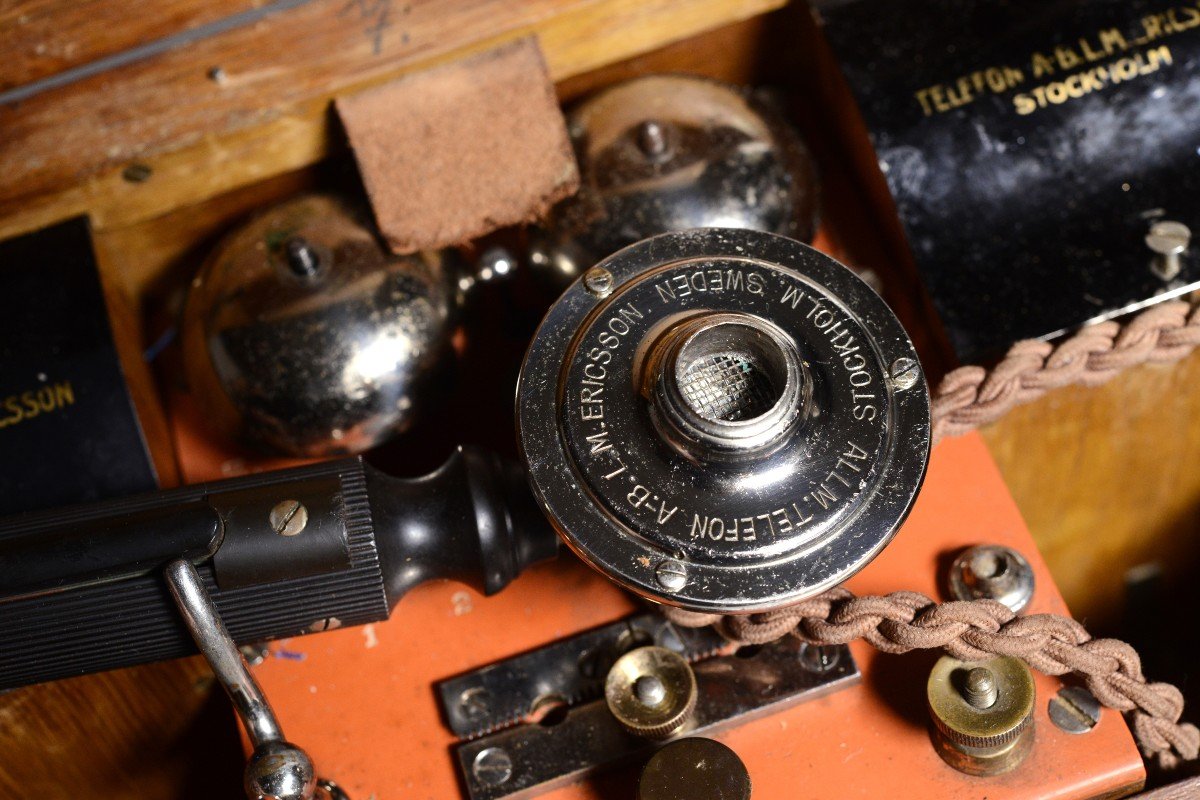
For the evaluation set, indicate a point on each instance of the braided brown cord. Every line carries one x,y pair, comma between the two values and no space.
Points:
967,398
975,630
972,396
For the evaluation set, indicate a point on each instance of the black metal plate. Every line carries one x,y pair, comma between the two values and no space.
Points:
732,690
1027,224
569,671
68,431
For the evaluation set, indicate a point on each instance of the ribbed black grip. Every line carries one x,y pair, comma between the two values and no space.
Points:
134,621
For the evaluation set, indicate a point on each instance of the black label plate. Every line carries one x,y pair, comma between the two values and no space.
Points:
68,431
1029,145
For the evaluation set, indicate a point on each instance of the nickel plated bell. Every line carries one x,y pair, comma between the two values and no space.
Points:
305,335
672,152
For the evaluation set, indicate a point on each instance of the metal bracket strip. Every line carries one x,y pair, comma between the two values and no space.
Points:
567,672
734,689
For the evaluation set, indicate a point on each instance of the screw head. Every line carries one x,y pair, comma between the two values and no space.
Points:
905,372
671,575
137,173
492,767
818,658
475,702
649,690
643,675
254,654
970,735
1168,238
302,257
1074,710
289,517
598,281
652,140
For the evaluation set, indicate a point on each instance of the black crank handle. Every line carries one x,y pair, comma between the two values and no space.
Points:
281,553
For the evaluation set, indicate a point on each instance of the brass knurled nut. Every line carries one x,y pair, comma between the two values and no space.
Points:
992,735
674,699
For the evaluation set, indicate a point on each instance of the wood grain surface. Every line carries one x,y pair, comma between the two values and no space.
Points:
40,38
158,731
190,137
1181,790
1107,480
1105,477
215,153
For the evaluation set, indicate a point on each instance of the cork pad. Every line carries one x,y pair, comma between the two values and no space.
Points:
456,151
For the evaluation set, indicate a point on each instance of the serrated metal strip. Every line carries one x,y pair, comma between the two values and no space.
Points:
567,672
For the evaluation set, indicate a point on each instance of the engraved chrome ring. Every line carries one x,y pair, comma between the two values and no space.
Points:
722,430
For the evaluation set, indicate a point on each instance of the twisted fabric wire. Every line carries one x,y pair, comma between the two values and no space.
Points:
973,631
969,397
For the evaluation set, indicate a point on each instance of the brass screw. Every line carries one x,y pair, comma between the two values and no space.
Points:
289,517
598,281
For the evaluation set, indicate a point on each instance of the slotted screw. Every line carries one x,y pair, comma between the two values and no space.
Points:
474,702
905,373
492,767
289,517
1074,710
598,281
671,575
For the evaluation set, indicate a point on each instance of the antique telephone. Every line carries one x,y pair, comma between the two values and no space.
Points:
756,408
720,420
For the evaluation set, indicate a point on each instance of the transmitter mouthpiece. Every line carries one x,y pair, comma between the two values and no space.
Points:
724,420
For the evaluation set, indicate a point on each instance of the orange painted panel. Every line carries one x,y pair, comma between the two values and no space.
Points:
361,700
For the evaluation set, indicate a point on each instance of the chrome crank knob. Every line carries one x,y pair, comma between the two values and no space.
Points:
729,421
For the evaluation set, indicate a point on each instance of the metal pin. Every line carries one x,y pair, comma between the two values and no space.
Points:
979,689
302,257
649,690
1169,240
652,139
